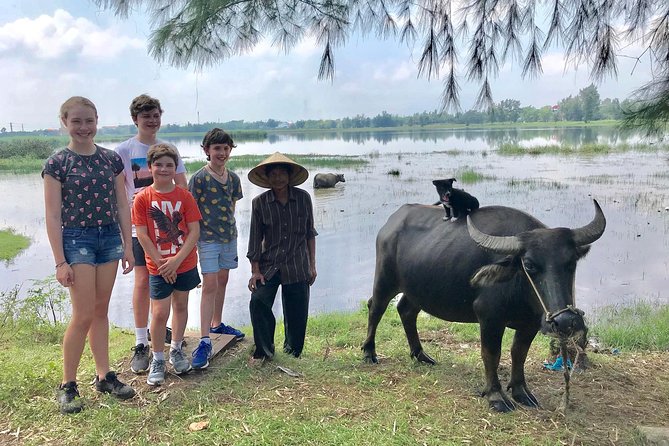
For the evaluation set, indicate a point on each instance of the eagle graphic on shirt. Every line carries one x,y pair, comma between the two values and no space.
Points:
168,226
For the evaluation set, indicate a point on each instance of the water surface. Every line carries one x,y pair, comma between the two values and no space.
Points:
629,262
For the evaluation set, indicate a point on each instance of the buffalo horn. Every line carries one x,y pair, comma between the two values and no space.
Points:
501,245
593,230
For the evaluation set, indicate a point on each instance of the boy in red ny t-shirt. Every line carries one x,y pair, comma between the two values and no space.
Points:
167,221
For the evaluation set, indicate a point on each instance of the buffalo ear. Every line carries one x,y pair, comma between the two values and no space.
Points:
500,271
582,251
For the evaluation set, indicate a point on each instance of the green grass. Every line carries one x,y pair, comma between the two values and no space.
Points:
28,147
526,184
320,161
468,175
338,400
590,149
641,326
11,244
21,165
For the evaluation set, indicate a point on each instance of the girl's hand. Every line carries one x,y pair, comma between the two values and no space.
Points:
128,261
65,275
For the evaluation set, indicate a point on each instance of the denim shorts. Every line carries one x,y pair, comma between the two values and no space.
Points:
186,281
138,252
215,256
94,245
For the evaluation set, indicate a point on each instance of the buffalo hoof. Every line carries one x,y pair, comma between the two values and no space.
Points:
502,406
371,358
423,357
498,401
527,400
522,395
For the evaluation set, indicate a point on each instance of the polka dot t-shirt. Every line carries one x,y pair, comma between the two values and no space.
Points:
88,192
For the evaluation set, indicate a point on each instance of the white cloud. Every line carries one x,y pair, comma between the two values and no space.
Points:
394,72
62,36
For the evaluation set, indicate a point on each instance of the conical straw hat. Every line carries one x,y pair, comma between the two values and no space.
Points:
258,176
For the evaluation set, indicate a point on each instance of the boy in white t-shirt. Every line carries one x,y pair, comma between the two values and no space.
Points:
146,113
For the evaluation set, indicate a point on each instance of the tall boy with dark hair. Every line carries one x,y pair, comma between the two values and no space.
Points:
146,113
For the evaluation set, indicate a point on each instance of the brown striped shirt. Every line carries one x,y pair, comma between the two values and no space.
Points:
279,234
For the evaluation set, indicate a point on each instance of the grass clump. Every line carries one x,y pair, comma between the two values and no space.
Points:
639,326
11,244
467,175
314,161
23,155
40,148
588,149
534,184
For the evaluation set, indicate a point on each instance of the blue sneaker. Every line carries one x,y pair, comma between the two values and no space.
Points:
227,329
201,356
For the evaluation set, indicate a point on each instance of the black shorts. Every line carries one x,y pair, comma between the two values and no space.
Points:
138,252
186,281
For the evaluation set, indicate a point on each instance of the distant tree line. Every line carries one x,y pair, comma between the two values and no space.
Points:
586,106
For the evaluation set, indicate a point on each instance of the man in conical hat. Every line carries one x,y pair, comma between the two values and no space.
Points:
282,251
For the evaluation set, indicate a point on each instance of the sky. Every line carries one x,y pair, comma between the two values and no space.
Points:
51,50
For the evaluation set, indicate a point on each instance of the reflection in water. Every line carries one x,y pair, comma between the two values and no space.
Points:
492,137
414,140
628,262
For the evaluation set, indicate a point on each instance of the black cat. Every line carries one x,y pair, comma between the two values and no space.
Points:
457,203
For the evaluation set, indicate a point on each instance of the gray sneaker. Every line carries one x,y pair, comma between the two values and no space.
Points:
140,359
156,373
179,361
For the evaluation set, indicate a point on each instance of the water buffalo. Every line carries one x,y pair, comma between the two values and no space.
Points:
323,180
500,268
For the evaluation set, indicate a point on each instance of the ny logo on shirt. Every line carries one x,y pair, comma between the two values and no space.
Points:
166,218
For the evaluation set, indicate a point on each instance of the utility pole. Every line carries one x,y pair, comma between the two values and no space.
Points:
17,124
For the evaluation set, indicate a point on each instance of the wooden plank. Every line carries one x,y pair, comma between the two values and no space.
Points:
654,435
219,342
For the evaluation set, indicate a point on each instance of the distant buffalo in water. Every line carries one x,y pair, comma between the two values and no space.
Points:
323,180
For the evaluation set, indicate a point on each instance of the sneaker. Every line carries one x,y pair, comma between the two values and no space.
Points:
168,335
179,361
201,356
68,398
157,373
112,385
227,329
140,359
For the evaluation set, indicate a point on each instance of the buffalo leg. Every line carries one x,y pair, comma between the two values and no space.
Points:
491,347
376,305
521,345
409,314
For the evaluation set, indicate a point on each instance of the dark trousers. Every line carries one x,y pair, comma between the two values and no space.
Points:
295,303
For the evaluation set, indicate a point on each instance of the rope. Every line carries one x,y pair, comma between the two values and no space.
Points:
536,291
549,316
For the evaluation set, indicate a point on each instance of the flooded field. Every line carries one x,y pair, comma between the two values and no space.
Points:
629,262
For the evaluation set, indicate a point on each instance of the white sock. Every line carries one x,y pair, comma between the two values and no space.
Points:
141,336
206,339
159,356
176,345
